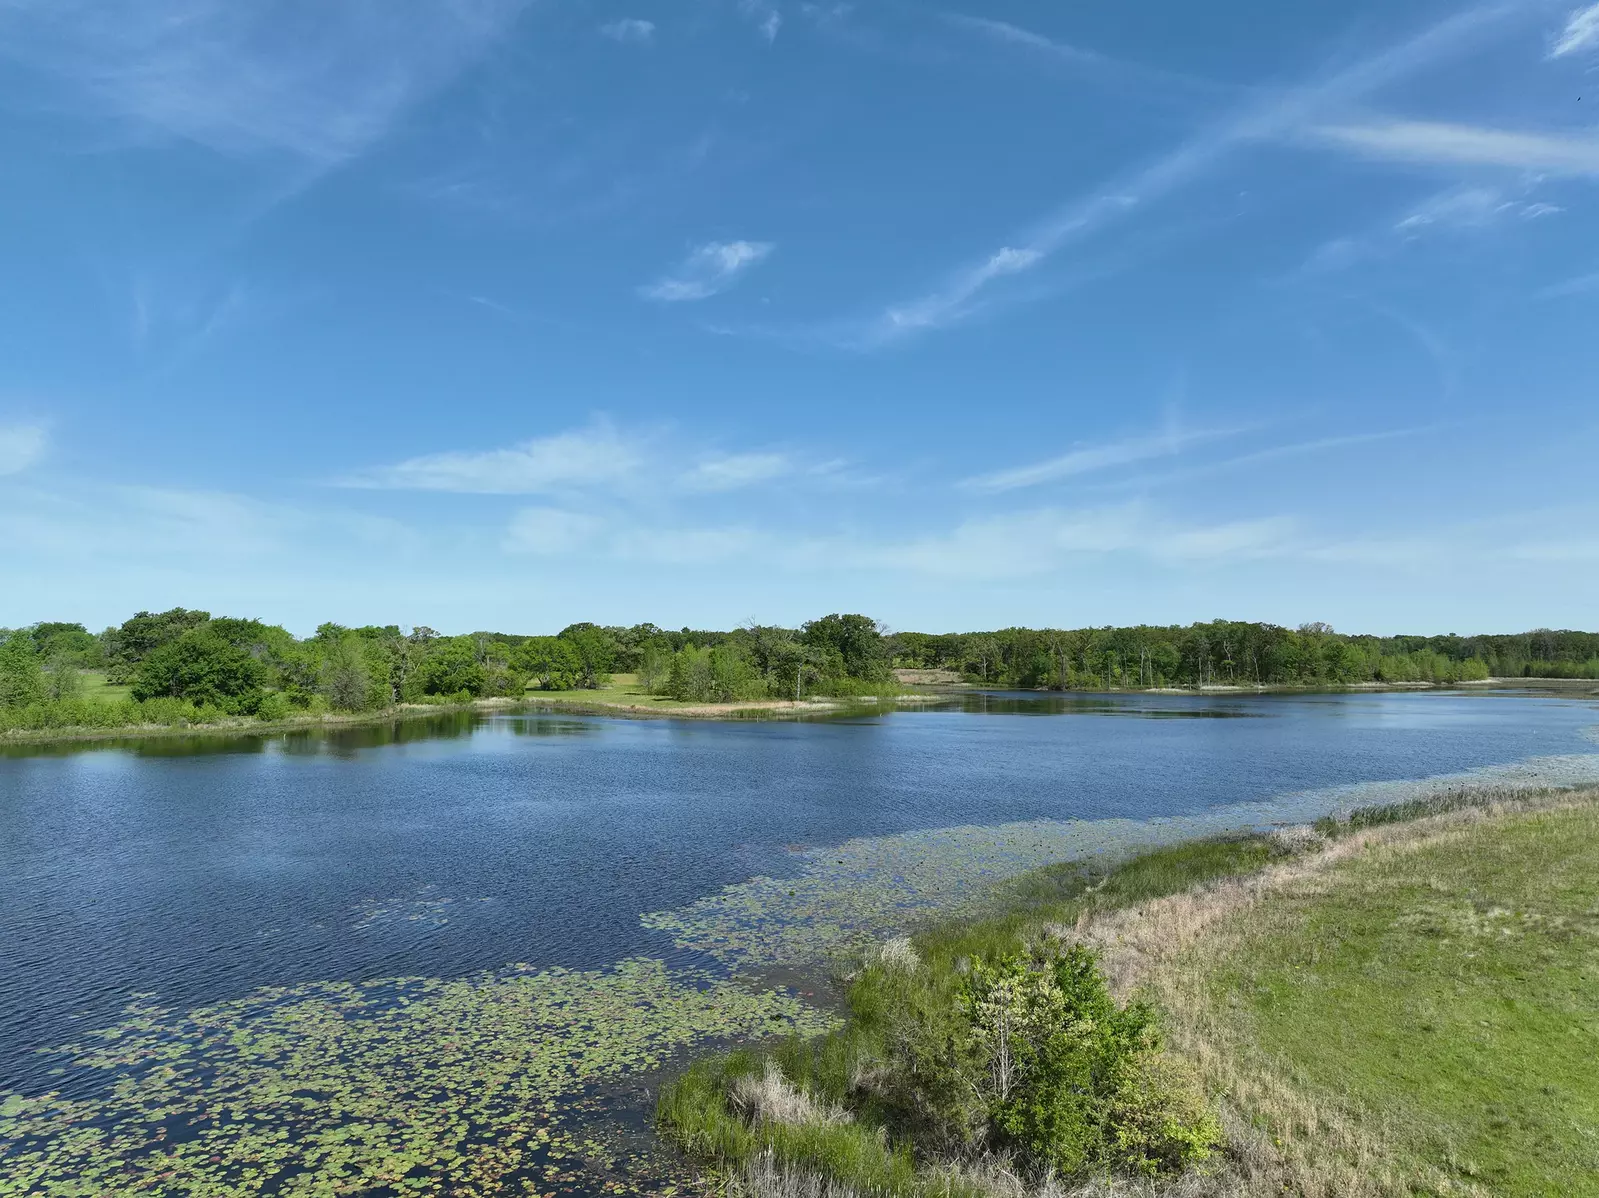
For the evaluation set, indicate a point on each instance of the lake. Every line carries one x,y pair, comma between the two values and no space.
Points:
210,907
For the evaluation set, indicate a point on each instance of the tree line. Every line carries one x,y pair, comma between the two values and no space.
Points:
183,665
1226,652
190,665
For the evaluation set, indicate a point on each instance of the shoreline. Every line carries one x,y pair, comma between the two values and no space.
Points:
247,726
755,709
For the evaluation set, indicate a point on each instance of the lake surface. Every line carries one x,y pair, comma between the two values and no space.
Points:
196,872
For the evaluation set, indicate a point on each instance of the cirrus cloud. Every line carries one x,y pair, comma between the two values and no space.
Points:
708,270
21,445
1581,33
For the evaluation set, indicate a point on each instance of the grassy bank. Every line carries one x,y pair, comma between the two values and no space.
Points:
103,714
1397,1003
125,720
1410,1009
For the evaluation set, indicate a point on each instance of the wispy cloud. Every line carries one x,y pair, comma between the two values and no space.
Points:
734,471
1473,209
1087,63
764,16
1004,31
1274,453
1013,545
1464,208
318,82
711,268
1579,285
135,522
1090,458
1581,33
951,302
21,445
551,531
1467,145
1045,540
1267,116
594,456
629,29
558,532
601,462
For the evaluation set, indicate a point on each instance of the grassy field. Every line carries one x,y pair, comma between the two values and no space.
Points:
1440,992
1402,1003
625,694
95,686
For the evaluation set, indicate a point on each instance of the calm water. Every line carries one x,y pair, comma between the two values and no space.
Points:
201,871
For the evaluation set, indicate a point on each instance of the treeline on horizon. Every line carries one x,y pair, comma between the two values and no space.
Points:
185,666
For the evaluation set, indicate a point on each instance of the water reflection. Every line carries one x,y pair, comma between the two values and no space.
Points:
335,740
1146,707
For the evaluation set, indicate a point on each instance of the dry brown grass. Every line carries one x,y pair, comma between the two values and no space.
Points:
770,1098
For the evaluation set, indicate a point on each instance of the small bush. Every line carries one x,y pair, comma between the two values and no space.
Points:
274,706
1068,1076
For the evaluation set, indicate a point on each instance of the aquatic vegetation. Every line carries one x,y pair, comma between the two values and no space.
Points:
845,899
475,1086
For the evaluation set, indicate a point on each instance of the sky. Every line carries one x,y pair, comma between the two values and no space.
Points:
503,314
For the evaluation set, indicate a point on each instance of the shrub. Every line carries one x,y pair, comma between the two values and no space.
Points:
274,706
1067,1074
999,1054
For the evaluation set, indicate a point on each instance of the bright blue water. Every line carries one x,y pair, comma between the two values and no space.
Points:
201,870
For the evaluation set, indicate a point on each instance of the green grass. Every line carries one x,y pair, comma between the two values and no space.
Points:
96,687
625,691
1451,993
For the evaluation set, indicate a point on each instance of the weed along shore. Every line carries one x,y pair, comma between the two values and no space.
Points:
1397,1001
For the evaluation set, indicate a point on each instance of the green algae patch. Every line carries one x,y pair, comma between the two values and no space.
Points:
873,887
406,1086
844,899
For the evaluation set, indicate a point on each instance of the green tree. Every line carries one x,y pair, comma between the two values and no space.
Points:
72,641
203,667
21,681
655,665
126,647
551,661
596,653
856,639
61,677
450,667
346,678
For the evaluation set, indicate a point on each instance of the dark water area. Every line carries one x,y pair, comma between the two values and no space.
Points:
200,869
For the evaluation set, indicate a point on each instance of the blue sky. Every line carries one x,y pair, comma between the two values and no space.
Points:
505,314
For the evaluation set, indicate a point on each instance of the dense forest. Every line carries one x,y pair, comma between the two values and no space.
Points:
1225,652
188,666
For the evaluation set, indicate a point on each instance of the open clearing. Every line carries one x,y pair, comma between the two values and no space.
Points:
1413,1009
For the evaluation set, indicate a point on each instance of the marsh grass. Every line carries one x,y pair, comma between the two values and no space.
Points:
1397,1001
874,1107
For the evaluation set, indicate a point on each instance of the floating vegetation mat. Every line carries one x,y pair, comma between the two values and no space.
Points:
520,1082
407,1086
865,890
